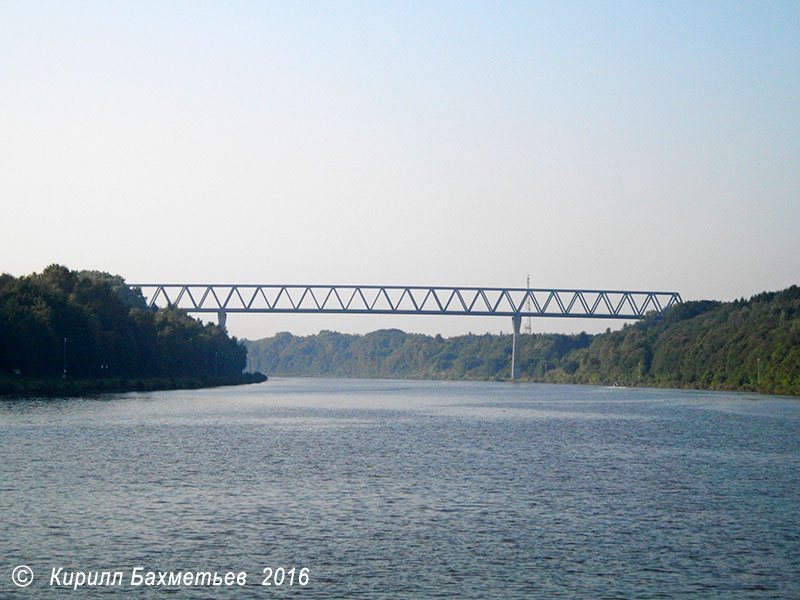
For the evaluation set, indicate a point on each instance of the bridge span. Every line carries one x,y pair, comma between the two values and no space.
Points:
222,299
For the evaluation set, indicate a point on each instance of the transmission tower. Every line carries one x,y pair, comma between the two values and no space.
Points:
528,307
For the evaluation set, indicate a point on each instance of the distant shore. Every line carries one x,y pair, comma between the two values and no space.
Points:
17,387
528,380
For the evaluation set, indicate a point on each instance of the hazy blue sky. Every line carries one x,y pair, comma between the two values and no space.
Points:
607,145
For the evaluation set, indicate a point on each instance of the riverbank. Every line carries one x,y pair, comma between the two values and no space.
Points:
57,387
553,381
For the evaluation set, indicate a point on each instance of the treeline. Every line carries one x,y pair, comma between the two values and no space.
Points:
91,325
393,353
751,345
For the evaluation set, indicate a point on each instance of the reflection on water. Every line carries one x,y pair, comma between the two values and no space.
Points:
409,490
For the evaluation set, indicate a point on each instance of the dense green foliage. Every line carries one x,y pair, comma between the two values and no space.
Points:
742,345
392,353
109,331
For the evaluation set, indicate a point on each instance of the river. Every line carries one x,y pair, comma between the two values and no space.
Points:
402,489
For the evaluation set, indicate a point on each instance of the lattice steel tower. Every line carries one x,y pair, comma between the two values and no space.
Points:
528,323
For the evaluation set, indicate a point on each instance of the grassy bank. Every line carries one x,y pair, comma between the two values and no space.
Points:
50,387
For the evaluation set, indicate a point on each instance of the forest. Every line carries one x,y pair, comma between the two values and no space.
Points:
90,325
747,345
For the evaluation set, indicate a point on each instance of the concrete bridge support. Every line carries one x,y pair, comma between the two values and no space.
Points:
516,320
222,317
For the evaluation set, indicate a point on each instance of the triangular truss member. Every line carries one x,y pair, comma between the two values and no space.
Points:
179,298
405,301
430,302
471,297
348,295
673,299
233,299
516,300
449,300
305,300
268,295
543,299
256,299
175,295
221,295
643,302
160,293
592,301
360,302
608,305
319,296
189,295
333,301
378,300
627,301
656,303
576,305
552,305
487,300
536,306
614,301
283,300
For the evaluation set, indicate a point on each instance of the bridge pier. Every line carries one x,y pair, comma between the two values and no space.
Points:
516,321
222,317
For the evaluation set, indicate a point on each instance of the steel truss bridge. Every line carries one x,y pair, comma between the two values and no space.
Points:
222,299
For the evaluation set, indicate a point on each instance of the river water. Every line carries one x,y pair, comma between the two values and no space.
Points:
400,489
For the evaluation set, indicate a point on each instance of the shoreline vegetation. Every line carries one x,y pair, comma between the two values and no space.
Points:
53,387
745,345
66,333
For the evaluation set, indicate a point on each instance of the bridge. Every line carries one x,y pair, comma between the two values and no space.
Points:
222,299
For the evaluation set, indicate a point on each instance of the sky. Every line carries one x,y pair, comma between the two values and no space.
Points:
598,145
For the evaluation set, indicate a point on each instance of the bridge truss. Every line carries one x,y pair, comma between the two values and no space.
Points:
407,300
516,303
